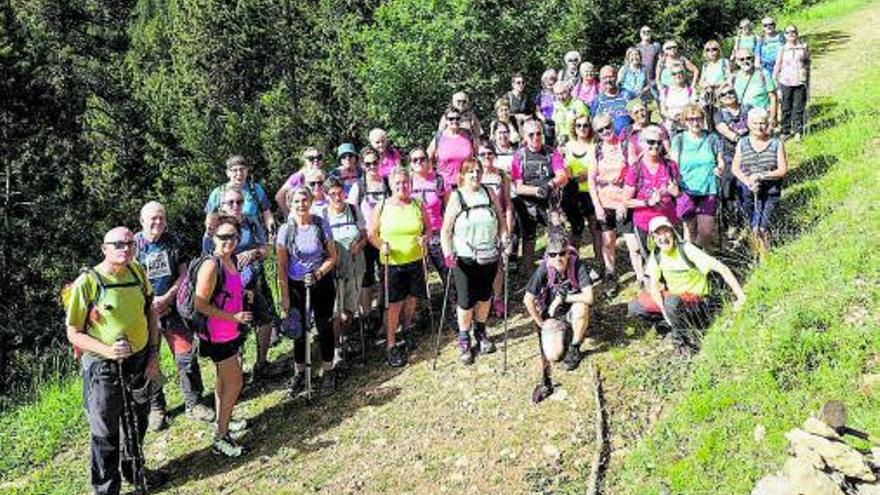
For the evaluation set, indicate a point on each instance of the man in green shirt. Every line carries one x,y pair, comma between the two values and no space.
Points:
110,318
678,284
753,87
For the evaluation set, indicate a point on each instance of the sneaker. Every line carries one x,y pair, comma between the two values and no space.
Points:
200,412
227,447
466,357
396,356
328,383
498,307
297,385
572,358
156,420
465,354
486,346
337,356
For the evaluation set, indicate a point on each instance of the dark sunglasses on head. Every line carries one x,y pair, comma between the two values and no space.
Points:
653,142
120,244
227,237
315,158
557,254
234,202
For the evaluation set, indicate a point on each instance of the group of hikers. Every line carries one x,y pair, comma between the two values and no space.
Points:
358,239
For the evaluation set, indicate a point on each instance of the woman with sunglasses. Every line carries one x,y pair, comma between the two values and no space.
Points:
450,148
580,160
256,207
587,89
714,73
759,165
472,228
698,155
792,71
225,313
349,170
641,118
671,58
498,181
306,260
366,194
674,97
651,185
633,76
768,46
399,229
315,181
606,193
313,159
731,124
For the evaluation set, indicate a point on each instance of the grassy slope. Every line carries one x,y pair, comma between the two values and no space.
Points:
43,445
810,330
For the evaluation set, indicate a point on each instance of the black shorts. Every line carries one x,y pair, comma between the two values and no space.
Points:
528,215
371,257
610,223
473,282
405,281
218,352
578,208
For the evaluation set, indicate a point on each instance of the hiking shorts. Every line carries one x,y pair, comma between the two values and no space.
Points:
688,205
610,223
528,215
405,281
219,351
473,282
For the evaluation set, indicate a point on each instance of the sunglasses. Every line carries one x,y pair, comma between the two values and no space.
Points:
370,164
653,142
234,202
711,49
727,93
769,24
678,73
791,32
227,237
453,119
557,254
603,130
746,59
347,156
517,82
695,119
533,134
485,154
671,48
120,244
315,184
315,158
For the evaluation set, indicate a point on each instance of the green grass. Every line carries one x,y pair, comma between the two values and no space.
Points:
808,334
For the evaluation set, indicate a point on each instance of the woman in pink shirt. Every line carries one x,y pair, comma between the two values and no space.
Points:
223,306
428,187
792,71
450,148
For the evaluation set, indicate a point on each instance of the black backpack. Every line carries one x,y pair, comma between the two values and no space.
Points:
292,228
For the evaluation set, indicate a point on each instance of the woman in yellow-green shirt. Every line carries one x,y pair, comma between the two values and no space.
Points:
399,228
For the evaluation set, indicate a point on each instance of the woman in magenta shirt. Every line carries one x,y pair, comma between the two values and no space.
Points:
223,307
450,148
651,184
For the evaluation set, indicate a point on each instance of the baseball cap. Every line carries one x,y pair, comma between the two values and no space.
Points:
344,149
658,222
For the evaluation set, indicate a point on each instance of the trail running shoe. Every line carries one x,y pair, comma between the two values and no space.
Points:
200,412
572,358
396,356
226,446
486,346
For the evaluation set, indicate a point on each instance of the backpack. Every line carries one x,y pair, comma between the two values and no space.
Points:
292,228
193,320
570,274
681,251
103,287
362,188
739,97
665,92
439,188
482,256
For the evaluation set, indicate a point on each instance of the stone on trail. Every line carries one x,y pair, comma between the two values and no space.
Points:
773,485
808,456
837,455
819,427
759,433
807,480
552,452
868,489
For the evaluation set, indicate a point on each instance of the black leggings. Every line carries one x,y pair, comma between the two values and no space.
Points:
322,300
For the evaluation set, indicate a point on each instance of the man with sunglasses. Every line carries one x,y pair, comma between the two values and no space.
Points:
566,109
612,100
557,298
468,120
768,46
650,51
257,206
117,330
752,86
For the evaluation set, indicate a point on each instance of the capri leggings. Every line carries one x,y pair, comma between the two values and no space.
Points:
322,300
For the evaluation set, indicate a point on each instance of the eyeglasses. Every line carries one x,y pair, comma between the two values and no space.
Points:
418,159
790,31
743,59
227,237
711,49
555,254
120,245
370,164
315,184
234,202
671,48
485,154
768,24
605,129
315,158
653,142
679,73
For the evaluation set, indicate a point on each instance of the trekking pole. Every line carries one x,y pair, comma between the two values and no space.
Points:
308,328
442,319
545,388
131,431
427,289
506,261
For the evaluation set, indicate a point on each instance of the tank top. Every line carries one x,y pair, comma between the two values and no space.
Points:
476,226
400,227
452,151
580,163
430,192
757,162
792,70
610,169
230,299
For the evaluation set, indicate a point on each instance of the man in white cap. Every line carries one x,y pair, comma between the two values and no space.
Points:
678,284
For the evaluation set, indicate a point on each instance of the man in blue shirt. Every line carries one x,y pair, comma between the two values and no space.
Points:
612,100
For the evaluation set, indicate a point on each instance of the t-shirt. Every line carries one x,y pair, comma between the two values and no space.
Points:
649,183
538,284
565,112
556,164
679,277
737,123
348,177
452,151
632,80
766,50
400,227
753,89
611,164
676,98
367,200
347,227
120,310
615,106
305,252
650,53
545,101
520,104
160,259
231,300
697,159
430,192
389,160
579,164
255,200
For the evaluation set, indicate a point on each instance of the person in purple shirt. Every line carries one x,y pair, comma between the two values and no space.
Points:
612,100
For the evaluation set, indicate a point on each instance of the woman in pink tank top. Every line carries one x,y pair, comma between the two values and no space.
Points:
451,148
223,307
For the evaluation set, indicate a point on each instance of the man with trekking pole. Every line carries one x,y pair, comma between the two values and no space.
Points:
110,318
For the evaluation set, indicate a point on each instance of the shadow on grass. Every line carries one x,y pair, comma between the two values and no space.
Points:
825,42
810,169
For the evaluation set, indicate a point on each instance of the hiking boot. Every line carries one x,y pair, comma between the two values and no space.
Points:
465,353
156,420
486,345
572,358
466,357
200,412
610,282
297,385
498,307
226,447
328,383
396,356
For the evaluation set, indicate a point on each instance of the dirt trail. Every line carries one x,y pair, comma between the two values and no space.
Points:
459,429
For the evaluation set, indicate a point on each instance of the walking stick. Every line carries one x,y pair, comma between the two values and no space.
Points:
506,261
427,289
442,319
308,328
131,430
545,388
